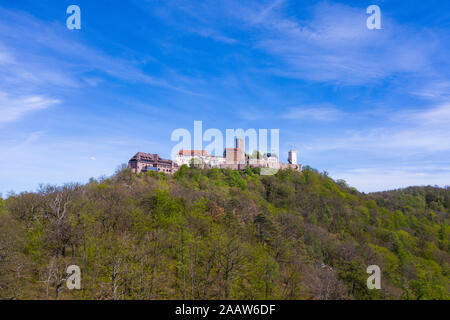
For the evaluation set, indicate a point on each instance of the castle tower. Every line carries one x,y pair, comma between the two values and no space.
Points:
240,151
240,144
292,158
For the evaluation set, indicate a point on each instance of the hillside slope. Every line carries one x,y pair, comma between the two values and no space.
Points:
222,234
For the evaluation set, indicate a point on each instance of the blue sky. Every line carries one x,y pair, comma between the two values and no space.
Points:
368,106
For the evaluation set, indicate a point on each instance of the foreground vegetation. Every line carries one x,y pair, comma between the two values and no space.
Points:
223,234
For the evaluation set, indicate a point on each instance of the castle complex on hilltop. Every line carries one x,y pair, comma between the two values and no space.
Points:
234,158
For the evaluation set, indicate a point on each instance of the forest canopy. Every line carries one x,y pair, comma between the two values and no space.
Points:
224,234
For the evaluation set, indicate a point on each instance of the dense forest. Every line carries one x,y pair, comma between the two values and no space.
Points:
224,234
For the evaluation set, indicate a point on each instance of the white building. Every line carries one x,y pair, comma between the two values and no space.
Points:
235,158
216,162
197,157
267,161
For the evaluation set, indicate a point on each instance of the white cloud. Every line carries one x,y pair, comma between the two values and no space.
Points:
435,90
4,56
434,116
265,11
210,33
333,44
32,45
316,113
12,109
412,148
385,141
413,131
41,157
387,178
336,46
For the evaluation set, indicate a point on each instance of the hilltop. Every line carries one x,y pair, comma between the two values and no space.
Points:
224,234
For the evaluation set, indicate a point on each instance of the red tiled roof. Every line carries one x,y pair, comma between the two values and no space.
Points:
193,153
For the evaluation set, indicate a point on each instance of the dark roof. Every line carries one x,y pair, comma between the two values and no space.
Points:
149,157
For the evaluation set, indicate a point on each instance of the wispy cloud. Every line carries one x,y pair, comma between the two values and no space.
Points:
387,178
413,132
12,109
45,44
209,33
434,90
265,11
334,45
358,98
17,146
386,142
433,117
314,113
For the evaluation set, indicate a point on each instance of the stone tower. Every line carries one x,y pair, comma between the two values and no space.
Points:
292,157
240,144
240,150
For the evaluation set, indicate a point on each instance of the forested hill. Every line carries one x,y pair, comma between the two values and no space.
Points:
223,234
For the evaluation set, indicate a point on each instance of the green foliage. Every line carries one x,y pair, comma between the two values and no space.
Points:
2,204
34,245
225,234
